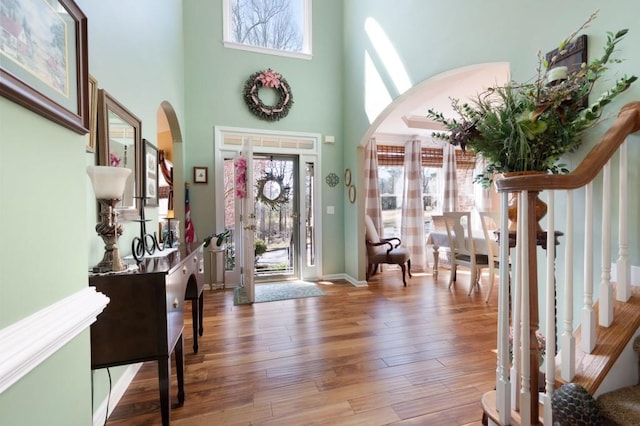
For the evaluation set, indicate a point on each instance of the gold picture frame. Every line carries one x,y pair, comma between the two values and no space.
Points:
93,114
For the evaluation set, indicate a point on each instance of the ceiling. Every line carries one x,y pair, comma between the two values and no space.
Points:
406,116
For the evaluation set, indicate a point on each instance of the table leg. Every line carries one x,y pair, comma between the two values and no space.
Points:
164,382
436,257
194,319
180,370
201,313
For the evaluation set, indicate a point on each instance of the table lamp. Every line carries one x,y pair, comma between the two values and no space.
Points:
108,187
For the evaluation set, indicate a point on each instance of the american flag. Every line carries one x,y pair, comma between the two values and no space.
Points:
189,230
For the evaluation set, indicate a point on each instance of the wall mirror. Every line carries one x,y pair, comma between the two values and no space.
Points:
120,145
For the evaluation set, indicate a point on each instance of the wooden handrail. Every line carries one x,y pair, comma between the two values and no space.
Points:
627,122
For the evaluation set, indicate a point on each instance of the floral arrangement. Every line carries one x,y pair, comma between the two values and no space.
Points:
220,237
270,79
529,126
240,165
114,160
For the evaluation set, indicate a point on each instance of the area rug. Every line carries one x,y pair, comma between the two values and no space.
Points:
278,291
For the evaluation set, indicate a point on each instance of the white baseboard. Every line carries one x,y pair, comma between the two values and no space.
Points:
346,277
117,392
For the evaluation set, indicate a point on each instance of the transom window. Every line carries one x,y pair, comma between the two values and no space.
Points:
279,27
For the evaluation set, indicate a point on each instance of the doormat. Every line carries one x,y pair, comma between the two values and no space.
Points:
278,291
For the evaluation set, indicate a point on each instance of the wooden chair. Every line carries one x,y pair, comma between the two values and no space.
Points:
463,251
384,250
489,221
439,227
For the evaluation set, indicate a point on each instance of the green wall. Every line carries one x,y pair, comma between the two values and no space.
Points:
48,208
214,80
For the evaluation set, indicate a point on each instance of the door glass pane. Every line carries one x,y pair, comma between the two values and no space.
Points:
309,219
276,216
229,214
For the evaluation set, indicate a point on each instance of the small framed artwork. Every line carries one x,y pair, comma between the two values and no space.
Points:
93,114
53,79
200,175
150,174
572,57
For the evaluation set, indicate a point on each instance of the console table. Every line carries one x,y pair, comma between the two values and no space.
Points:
144,319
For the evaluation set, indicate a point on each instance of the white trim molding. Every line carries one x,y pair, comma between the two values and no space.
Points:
30,341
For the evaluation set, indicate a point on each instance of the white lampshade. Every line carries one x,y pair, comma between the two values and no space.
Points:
108,182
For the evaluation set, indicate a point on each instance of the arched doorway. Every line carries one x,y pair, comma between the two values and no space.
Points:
405,117
170,148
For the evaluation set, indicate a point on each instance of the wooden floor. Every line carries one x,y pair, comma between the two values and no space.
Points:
386,354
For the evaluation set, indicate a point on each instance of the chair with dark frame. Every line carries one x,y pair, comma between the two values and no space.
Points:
384,250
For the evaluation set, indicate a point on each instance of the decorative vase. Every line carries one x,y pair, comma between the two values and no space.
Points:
512,212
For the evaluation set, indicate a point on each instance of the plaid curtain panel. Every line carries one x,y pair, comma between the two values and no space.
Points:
412,228
449,203
372,201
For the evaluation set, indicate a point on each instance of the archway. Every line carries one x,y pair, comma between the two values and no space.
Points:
170,146
405,117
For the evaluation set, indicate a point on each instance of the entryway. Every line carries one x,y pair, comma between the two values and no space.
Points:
275,227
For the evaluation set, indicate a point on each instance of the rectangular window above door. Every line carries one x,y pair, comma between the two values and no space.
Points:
278,27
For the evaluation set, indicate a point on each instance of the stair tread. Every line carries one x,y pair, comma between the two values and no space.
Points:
591,369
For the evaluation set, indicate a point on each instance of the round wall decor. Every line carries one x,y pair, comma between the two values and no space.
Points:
268,79
332,179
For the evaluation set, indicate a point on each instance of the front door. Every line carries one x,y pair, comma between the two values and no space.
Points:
275,184
276,220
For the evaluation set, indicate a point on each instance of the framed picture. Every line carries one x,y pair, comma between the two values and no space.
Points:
93,114
49,74
150,174
200,175
572,56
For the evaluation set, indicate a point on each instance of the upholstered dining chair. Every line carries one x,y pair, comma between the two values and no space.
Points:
384,250
463,250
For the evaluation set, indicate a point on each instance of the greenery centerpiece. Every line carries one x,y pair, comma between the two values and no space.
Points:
521,127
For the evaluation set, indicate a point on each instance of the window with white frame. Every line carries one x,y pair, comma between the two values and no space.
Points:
391,182
280,27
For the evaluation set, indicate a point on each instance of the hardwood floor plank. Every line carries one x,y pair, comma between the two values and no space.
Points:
378,355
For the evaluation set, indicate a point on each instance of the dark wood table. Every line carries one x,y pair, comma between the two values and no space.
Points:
144,319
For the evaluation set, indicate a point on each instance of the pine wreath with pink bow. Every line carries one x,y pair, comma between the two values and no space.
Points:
272,80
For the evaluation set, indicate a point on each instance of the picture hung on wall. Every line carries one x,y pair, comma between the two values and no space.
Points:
150,174
200,175
46,72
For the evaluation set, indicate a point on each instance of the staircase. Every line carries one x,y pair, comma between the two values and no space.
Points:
586,354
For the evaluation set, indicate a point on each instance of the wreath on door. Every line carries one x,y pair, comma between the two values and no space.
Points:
272,191
268,79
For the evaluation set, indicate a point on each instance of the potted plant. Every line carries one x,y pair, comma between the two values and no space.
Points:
522,127
220,237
